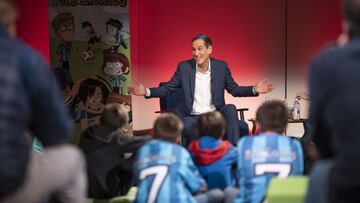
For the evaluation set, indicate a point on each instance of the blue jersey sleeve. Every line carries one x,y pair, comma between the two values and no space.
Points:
233,160
233,154
191,176
240,157
299,160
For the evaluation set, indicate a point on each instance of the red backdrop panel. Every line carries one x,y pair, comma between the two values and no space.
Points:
311,26
33,24
249,35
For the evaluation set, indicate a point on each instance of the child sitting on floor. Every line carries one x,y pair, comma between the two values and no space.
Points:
109,153
215,158
165,171
266,155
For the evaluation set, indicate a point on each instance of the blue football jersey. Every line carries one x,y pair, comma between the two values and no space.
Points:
165,172
262,157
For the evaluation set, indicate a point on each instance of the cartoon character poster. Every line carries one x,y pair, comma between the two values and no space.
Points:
90,56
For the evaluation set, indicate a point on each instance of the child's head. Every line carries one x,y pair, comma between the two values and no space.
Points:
64,26
272,116
168,127
86,24
115,64
92,95
8,16
113,26
115,116
211,124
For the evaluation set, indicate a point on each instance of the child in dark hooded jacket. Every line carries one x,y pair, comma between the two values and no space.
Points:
109,153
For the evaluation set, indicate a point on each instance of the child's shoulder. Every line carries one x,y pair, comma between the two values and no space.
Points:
164,145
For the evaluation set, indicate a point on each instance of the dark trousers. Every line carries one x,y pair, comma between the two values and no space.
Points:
232,133
319,182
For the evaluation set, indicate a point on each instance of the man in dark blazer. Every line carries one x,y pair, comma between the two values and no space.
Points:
335,110
203,81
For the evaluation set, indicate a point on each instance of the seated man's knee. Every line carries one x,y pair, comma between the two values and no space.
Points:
230,107
229,110
189,121
189,133
189,125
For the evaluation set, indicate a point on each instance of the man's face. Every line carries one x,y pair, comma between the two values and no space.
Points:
200,51
113,68
66,31
112,30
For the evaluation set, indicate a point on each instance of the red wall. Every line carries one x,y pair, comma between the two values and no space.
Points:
311,26
249,35
33,24
245,33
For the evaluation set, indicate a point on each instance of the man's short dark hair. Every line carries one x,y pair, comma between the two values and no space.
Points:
114,116
351,14
272,116
205,38
211,124
167,127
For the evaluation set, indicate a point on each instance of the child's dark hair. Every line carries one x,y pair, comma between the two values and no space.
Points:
167,127
87,89
272,116
211,124
114,116
351,14
115,23
86,24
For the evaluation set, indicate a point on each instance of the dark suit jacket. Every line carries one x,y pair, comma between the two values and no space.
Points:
335,109
184,78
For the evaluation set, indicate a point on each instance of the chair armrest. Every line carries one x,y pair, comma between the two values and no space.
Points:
241,112
162,111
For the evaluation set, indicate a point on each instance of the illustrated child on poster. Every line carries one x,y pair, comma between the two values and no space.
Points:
88,55
87,26
113,29
91,98
64,27
116,65
63,78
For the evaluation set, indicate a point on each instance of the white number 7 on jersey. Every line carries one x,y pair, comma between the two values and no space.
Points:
160,173
282,169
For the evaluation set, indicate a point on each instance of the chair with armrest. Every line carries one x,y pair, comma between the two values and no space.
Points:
172,100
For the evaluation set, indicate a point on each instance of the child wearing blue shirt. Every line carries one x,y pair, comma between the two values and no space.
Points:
215,158
165,171
267,155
